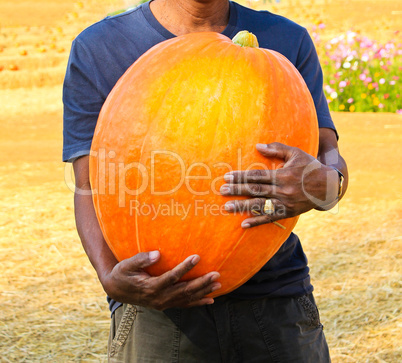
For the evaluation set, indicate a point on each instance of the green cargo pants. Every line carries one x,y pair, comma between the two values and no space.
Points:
281,330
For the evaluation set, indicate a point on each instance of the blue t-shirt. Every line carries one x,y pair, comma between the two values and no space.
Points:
104,51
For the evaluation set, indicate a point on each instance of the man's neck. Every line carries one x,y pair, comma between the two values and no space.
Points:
189,16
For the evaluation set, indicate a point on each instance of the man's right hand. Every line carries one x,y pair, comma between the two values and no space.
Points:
128,283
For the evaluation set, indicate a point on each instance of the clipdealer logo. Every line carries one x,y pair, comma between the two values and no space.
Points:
116,178
113,176
173,208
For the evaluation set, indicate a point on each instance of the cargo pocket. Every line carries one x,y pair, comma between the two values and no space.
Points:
123,330
311,311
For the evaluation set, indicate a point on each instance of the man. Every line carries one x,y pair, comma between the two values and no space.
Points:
272,317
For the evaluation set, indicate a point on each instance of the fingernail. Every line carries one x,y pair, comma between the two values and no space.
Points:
195,260
216,287
228,177
261,146
215,277
210,302
246,225
225,189
229,206
153,255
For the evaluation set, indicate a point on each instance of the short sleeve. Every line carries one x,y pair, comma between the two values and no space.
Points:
82,103
309,67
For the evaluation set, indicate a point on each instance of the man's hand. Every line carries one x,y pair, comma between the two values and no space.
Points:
128,283
303,183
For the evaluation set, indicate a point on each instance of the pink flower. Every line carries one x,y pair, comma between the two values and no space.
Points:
380,105
332,81
375,84
365,57
350,100
368,79
362,77
342,84
381,53
389,46
399,111
381,81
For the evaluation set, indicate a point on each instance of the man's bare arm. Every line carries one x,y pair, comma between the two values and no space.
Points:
126,281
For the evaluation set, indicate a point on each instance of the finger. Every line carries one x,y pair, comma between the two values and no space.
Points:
141,260
171,277
205,301
276,150
257,221
184,304
197,289
200,298
247,205
264,219
250,190
252,176
256,206
203,285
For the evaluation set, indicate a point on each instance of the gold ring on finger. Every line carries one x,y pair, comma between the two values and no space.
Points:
269,207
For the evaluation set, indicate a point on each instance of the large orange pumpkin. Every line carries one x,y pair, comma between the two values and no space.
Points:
186,112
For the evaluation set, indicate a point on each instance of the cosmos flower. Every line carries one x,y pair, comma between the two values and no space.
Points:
360,72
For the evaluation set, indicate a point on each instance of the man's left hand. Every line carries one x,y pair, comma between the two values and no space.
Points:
303,183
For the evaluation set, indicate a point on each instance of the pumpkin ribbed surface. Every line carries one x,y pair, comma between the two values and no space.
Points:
186,112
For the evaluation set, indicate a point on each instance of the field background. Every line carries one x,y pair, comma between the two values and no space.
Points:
52,307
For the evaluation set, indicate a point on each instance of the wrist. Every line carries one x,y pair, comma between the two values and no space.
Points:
341,182
105,272
104,266
336,194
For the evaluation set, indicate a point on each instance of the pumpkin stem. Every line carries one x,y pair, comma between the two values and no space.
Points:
245,39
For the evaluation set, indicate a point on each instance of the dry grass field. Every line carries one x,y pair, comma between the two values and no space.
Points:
52,306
